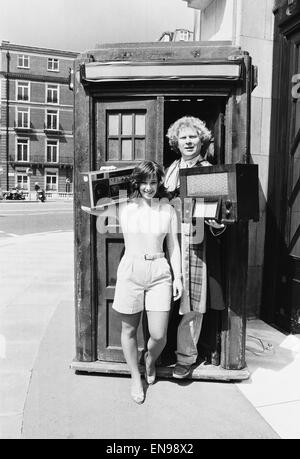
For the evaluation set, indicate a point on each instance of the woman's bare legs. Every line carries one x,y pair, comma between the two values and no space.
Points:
130,323
158,324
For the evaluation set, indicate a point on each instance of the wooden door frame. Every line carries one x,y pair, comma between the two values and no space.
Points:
85,231
152,105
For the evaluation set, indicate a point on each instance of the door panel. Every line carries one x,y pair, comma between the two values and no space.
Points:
126,133
294,197
293,212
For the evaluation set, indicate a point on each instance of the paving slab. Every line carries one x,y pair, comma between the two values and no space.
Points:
62,404
38,388
19,356
285,418
13,391
29,297
273,359
11,426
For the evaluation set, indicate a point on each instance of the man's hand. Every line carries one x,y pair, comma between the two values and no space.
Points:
215,224
107,168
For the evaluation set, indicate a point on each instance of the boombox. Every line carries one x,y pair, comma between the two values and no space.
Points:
229,192
106,186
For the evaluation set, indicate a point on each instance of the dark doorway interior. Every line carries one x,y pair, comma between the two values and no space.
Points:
212,111
209,109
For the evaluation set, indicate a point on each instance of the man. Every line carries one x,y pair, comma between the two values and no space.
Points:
189,137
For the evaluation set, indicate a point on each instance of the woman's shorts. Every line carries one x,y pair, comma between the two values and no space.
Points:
143,284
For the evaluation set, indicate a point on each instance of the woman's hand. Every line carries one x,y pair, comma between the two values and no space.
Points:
177,288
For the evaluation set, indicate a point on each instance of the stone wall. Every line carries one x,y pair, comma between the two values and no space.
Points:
249,24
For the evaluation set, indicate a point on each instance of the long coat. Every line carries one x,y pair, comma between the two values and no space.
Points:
205,277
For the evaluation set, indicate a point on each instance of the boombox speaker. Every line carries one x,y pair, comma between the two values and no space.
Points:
99,188
233,188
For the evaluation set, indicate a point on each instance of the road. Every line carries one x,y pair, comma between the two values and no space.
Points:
20,218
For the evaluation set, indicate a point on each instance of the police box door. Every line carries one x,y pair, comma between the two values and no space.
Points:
288,312
281,295
127,132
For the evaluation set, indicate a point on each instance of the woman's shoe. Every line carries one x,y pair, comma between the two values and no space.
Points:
138,397
150,379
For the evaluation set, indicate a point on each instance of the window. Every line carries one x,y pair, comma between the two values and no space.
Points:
53,65
23,118
52,120
52,151
22,181
184,35
23,150
22,91
126,135
51,181
23,61
52,94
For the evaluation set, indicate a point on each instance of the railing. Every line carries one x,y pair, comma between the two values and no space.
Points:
31,195
49,129
52,130
42,161
23,128
58,195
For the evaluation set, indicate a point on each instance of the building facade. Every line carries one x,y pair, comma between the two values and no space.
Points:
178,35
36,125
250,26
269,30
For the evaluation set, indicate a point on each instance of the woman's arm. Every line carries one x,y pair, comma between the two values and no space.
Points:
175,256
107,217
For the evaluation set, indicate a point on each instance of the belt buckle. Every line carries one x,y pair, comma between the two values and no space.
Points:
149,257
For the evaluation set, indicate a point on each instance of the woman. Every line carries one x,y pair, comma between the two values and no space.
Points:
144,279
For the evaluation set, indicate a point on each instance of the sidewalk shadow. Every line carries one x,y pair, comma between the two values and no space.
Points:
268,348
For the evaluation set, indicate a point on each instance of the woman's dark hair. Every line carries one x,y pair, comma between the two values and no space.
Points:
142,172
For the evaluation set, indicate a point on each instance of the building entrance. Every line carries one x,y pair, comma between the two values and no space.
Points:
281,301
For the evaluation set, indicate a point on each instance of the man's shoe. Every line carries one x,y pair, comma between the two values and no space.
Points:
181,371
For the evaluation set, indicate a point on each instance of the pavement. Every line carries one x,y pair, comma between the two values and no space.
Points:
42,398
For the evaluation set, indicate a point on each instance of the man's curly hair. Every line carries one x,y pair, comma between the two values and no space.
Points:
191,122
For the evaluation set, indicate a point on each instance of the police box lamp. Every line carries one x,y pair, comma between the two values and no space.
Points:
104,187
227,193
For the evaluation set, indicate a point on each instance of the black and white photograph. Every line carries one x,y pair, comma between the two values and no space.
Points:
150,222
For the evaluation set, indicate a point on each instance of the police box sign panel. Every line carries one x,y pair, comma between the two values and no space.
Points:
112,71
